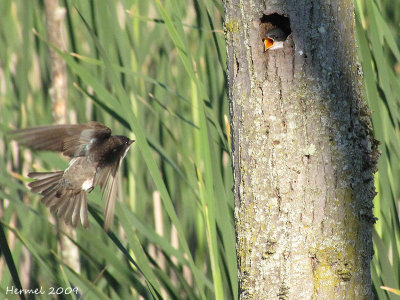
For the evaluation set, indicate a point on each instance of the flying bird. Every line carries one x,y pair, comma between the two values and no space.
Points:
95,158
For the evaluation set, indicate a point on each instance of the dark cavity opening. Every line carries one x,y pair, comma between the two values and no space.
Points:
274,20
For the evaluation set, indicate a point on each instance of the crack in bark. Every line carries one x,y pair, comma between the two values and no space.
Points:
308,195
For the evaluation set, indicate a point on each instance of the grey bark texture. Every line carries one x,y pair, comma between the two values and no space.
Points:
303,153
55,18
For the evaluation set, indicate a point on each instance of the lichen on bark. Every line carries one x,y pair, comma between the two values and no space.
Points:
303,153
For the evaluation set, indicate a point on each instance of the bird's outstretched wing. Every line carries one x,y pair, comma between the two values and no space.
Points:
72,140
108,175
107,178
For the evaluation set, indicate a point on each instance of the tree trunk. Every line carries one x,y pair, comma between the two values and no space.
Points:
55,17
303,152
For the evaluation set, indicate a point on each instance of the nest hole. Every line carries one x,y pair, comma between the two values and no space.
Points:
275,20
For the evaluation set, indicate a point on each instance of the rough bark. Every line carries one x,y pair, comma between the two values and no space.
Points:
303,153
55,16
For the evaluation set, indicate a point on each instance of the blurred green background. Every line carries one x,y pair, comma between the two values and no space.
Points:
378,24
157,69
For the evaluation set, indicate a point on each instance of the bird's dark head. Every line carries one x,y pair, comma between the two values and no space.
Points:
117,147
274,39
123,140
121,143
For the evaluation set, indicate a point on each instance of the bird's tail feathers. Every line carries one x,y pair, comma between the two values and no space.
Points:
44,180
71,205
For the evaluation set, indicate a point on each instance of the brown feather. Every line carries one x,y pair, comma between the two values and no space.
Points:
95,159
71,140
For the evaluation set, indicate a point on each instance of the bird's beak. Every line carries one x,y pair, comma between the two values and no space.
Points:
268,43
131,142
